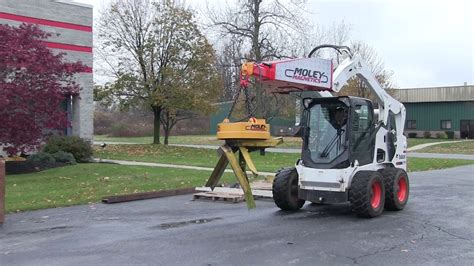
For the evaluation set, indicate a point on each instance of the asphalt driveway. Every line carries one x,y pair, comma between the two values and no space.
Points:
435,228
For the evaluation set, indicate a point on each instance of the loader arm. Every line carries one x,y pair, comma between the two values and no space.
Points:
355,66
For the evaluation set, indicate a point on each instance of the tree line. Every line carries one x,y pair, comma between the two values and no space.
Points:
160,59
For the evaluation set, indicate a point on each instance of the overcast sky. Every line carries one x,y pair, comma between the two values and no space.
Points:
425,43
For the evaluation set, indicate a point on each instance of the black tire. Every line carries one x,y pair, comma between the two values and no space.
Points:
367,194
397,188
285,190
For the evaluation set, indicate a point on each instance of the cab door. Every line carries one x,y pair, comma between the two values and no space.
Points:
362,131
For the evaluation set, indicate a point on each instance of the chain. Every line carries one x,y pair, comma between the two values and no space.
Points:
247,102
236,98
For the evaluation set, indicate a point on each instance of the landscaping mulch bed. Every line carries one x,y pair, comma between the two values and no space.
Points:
24,167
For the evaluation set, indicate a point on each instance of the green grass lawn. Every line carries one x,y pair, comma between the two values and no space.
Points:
465,147
425,164
88,183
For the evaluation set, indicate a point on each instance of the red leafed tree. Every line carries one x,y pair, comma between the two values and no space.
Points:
33,83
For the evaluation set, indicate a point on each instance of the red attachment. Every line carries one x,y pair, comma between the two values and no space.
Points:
402,189
266,71
244,81
376,195
263,72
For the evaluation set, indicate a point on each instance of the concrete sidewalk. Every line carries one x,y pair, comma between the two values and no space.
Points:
441,155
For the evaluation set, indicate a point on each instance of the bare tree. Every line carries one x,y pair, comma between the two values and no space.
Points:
356,86
260,25
170,117
336,33
229,63
340,34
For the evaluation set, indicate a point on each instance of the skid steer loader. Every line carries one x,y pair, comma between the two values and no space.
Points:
352,152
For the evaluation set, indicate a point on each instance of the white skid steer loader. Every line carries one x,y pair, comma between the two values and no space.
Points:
351,151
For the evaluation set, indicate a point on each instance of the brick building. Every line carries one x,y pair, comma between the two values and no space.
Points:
70,24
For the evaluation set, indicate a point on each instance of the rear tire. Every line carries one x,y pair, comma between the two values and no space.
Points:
397,188
367,194
285,190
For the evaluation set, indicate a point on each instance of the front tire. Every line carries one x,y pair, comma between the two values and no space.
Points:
397,186
367,194
285,190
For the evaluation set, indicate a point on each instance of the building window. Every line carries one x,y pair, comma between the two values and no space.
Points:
411,124
445,124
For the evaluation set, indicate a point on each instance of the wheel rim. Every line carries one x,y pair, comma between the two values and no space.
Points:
376,195
402,189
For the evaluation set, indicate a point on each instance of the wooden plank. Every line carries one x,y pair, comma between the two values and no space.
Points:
218,170
242,164
270,178
261,185
241,176
245,153
257,193
147,195
228,190
258,185
256,143
217,196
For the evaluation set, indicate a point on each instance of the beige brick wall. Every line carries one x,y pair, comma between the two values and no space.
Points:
65,12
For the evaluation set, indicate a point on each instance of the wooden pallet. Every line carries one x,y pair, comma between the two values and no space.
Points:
257,193
219,196
261,185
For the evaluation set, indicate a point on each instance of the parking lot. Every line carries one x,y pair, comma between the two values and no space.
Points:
435,228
